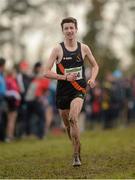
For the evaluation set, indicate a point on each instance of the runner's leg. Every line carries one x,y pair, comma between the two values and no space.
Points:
65,117
75,109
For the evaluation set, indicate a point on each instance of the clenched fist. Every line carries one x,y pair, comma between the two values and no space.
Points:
92,83
71,77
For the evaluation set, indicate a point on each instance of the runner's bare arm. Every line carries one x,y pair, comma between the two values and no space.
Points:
95,67
48,73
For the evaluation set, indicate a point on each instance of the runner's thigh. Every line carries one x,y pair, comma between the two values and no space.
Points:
64,114
75,107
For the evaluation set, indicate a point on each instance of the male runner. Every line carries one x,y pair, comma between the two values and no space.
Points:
71,87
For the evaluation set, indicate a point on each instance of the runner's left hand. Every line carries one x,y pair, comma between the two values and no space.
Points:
92,83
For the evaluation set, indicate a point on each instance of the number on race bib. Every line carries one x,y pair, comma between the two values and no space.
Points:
77,70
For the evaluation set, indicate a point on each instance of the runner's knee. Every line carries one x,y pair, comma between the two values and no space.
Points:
73,121
75,138
67,126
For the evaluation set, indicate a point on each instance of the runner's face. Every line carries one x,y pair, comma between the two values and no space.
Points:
69,30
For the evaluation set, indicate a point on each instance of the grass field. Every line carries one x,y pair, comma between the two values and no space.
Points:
105,154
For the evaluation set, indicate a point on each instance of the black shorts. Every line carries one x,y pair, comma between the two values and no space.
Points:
63,102
12,103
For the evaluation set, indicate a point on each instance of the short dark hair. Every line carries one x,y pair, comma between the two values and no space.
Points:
2,61
37,64
69,20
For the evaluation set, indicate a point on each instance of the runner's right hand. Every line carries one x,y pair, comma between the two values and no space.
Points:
71,77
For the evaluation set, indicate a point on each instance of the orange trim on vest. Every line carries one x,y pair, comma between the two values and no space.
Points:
74,83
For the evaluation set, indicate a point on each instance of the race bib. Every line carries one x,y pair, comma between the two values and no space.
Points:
76,70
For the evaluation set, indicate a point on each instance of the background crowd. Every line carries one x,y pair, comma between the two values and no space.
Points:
27,103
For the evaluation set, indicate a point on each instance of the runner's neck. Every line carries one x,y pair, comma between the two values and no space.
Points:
70,45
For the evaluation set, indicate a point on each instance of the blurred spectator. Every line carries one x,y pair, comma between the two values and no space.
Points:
105,105
51,112
127,101
34,99
13,100
132,105
93,106
23,79
2,99
96,105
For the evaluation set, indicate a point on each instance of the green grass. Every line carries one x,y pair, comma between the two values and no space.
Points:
105,154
